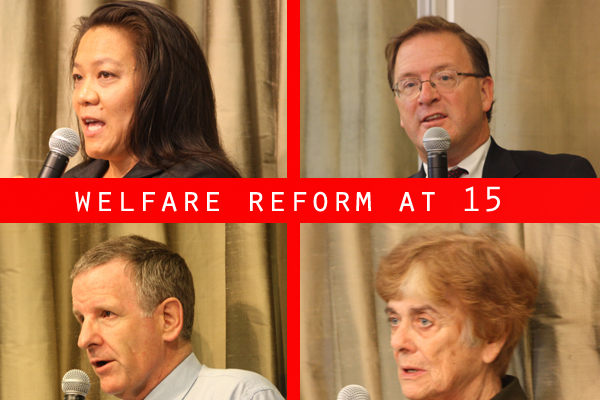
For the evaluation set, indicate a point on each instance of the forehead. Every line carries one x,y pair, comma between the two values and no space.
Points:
107,282
429,52
101,42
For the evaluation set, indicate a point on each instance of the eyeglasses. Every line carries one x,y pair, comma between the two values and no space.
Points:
443,81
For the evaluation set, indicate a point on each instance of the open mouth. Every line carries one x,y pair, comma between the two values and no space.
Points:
434,117
99,364
411,373
93,125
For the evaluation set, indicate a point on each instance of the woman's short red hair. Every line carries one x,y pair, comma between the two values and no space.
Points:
495,282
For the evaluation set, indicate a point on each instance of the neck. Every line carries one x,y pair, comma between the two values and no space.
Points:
119,168
175,353
463,150
484,387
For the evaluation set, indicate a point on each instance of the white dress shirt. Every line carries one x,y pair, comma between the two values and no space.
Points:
473,163
194,381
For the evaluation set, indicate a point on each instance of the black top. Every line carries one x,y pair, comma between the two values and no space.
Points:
195,168
502,163
511,390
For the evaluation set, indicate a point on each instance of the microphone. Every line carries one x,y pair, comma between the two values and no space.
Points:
64,144
353,392
436,142
75,385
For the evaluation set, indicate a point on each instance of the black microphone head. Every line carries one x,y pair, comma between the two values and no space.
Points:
353,392
76,382
65,141
436,139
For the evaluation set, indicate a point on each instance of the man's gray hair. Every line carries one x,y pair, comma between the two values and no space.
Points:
157,273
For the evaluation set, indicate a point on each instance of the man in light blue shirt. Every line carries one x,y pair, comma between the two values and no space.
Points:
134,299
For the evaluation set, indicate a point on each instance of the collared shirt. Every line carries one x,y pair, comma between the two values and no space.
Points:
193,381
473,163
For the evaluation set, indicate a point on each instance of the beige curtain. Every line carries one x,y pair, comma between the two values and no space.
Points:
349,125
344,334
245,43
546,87
239,275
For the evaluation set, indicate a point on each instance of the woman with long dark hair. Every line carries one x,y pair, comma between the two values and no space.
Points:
143,97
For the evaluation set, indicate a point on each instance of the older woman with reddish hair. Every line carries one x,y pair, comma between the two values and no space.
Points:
143,96
457,306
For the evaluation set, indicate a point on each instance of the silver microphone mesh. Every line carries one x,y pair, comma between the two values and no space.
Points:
65,141
76,382
353,392
436,139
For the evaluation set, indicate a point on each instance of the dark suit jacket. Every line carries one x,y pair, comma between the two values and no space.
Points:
502,163
188,169
511,390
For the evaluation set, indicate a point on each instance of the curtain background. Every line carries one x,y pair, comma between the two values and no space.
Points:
345,336
245,43
239,275
546,88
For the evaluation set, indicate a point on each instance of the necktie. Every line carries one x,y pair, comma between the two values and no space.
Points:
457,172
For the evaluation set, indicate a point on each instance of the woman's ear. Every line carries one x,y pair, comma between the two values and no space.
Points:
491,350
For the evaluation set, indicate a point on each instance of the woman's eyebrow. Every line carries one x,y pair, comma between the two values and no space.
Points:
101,61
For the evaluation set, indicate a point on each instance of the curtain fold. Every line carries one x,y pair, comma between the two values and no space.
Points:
239,273
245,45
349,122
345,336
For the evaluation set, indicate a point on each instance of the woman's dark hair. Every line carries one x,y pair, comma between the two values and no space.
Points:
175,116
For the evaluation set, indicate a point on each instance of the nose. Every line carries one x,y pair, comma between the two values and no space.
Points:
428,93
402,339
89,335
86,94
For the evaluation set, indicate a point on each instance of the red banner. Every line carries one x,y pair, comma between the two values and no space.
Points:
300,200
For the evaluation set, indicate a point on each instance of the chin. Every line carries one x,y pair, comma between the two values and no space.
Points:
95,153
111,387
112,391
413,391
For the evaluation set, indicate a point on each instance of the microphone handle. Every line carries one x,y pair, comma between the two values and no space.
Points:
72,396
437,164
54,166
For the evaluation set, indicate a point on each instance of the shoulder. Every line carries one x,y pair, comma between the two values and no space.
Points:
420,174
234,384
535,164
502,163
194,168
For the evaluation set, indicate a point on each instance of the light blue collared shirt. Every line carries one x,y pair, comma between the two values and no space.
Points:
194,381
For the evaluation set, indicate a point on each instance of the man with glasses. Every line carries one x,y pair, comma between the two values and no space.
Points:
440,77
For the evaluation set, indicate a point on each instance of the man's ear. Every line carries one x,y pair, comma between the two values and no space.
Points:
487,93
491,350
171,314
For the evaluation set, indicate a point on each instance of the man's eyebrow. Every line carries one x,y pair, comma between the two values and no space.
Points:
101,61
440,67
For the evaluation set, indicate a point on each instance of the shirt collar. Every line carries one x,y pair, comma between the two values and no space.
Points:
179,382
473,163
